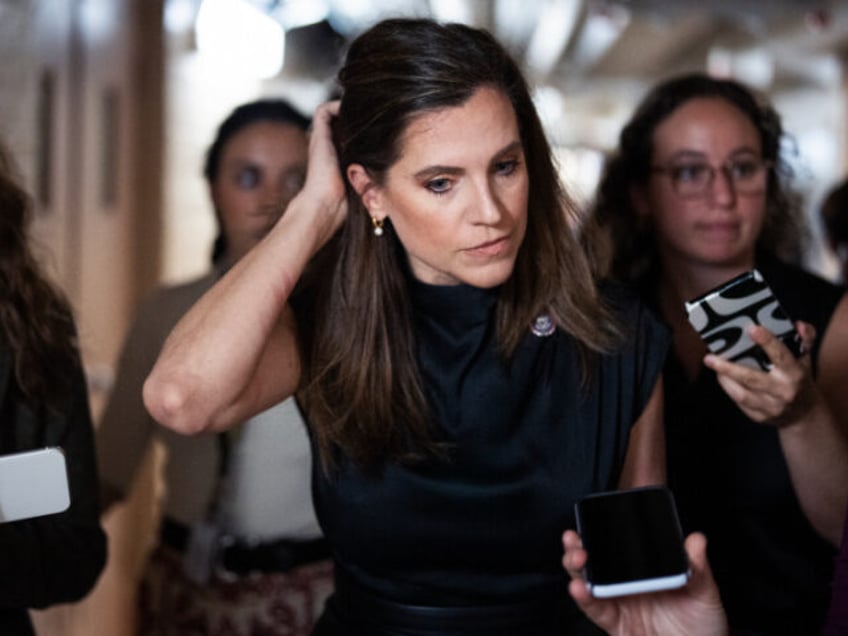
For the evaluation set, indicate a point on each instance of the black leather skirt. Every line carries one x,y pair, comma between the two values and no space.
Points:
354,611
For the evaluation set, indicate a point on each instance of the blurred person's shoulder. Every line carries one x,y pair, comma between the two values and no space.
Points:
162,308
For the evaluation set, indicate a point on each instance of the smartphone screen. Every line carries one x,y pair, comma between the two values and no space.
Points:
633,540
722,317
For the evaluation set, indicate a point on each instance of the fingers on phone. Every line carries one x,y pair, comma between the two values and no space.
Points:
696,549
574,558
580,592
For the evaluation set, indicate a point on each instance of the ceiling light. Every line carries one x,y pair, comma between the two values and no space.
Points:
237,37
556,23
300,13
452,11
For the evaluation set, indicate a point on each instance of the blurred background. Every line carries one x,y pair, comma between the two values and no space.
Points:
108,106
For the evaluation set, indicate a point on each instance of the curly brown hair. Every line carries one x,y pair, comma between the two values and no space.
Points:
632,254
35,319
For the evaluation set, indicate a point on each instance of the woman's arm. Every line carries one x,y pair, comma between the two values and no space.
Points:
807,414
644,463
235,352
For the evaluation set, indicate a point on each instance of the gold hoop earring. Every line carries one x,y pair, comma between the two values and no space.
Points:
378,226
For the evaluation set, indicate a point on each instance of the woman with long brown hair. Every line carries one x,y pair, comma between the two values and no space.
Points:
43,402
464,378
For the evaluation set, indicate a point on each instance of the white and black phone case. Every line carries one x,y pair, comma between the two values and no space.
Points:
722,317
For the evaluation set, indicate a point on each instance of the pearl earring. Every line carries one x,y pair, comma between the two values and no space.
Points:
378,226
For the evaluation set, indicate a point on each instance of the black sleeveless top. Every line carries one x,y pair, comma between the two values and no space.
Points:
484,527
731,481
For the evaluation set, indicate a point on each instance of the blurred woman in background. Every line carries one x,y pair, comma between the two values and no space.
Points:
239,549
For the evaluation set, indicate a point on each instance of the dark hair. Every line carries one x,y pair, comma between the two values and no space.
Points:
632,253
35,320
364,393
271,110
834,215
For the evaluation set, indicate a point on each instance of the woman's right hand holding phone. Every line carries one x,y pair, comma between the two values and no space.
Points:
780,396
693,610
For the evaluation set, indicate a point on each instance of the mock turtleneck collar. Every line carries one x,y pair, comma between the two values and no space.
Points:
460,306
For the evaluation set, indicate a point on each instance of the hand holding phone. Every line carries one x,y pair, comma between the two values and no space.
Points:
633,540
723,315
695,608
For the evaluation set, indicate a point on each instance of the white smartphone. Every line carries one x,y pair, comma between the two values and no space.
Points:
33,483
633,540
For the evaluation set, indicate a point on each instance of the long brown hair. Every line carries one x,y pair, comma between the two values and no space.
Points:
35,320
363,390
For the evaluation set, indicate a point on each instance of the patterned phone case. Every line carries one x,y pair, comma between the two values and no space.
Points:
722,316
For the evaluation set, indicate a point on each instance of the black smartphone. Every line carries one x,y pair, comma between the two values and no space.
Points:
633,540
722,316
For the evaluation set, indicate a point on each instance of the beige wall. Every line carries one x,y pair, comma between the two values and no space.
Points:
17,96
88,199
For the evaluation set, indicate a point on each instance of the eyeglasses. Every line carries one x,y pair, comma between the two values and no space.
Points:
694,179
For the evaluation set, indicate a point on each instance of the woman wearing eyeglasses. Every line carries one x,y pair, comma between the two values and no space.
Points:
758,460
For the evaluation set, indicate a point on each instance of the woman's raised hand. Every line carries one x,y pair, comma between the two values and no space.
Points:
324,189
